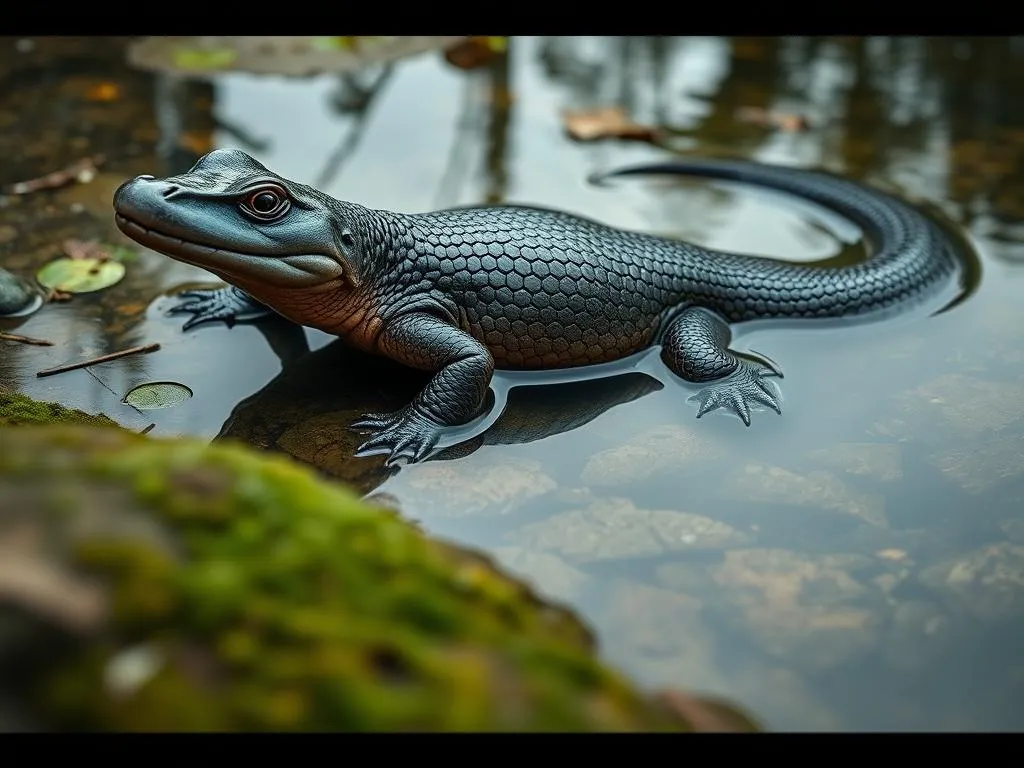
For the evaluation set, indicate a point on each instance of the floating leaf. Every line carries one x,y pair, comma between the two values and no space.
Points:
605,123
157,394
122,253
475,52
764,118
197,58
334,43
104,92
80,275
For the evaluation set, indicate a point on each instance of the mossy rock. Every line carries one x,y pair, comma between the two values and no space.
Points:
176,585
19,410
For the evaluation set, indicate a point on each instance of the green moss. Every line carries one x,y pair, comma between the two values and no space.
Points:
16,409
289,604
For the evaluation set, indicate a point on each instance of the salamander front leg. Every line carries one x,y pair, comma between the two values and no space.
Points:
229,304
696,348
454,395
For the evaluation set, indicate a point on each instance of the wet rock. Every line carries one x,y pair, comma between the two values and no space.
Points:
987,583
878,461
980,467
178,585
17,296
766,484
18,410
920,633
615,528
953,406
806,609
661,449
478,486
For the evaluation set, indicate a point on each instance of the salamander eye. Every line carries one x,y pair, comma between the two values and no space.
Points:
266,203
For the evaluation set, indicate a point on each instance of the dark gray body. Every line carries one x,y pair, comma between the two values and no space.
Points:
463,291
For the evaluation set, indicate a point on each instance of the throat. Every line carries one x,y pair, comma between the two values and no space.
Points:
332,308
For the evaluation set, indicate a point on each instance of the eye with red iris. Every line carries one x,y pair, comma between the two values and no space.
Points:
266,203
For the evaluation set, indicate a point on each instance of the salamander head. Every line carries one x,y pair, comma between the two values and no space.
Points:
233,217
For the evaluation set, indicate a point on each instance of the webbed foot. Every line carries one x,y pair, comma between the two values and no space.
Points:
736,392
228,304
407,433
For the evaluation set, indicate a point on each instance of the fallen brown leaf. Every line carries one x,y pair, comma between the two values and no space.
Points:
605,123
54,295
104,92
81,249
475,52
784,121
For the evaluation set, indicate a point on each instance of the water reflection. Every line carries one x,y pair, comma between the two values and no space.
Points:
856,563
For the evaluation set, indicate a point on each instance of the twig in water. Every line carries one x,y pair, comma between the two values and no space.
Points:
100,359
26,339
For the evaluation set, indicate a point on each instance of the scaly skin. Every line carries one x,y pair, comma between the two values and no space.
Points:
462,291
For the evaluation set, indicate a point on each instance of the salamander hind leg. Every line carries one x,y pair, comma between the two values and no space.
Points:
695,347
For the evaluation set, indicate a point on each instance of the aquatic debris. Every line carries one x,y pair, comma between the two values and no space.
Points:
295,56
17,296
94,249
82,171
475,52
157,394
80,275
197,58
25,339
53,294
104,92
100,359
784,121
605,123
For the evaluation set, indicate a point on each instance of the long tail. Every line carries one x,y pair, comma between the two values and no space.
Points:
909,253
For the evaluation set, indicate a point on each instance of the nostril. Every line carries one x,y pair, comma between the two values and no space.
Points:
169,190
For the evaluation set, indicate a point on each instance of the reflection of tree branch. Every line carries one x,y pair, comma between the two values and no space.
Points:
458,154
497,128
351,140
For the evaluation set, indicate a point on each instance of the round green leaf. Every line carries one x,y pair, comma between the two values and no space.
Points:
157,394
80,275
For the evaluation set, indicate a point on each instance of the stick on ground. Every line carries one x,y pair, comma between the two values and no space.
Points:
25,339
100,359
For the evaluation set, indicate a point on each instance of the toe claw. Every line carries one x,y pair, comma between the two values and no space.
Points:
406,434
736,393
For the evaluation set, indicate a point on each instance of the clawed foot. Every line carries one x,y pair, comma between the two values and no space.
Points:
228,304
748,384
406,433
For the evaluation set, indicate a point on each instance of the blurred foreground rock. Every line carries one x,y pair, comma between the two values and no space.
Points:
176,585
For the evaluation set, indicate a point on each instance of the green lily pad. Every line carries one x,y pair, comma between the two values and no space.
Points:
80,275
157,394
197,58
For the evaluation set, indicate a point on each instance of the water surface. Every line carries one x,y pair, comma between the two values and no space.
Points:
855,563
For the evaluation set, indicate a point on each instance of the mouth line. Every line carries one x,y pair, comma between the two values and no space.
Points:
171,245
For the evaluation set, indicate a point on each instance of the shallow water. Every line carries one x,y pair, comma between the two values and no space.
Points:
855,563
